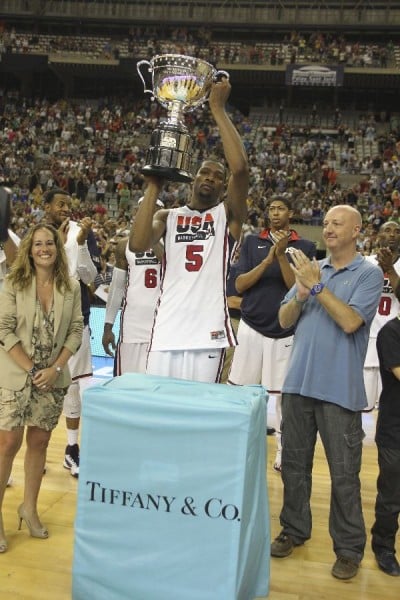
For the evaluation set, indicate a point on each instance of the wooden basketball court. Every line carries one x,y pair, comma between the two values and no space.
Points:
41,569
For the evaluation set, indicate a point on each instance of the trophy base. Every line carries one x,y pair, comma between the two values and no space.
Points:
169,173
169,155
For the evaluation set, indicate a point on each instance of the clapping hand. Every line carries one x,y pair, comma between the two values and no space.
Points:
307,272
63,230
385,259
85,227
281,241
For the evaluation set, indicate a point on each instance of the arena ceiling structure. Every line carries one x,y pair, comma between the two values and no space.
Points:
371,14
243,22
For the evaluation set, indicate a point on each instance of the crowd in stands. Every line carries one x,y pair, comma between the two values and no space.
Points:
96,152
145,42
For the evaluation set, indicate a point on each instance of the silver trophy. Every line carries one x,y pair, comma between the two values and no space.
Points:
180,84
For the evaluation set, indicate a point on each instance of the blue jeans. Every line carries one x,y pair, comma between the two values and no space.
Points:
341,435
387,506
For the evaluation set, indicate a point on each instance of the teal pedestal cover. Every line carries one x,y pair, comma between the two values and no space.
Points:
172,496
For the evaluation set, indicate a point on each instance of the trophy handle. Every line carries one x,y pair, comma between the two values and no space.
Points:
219,73
215,78
138,67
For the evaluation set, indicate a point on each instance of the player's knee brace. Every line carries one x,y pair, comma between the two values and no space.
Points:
72,401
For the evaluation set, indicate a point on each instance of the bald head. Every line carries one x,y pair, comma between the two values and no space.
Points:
342,225
347,212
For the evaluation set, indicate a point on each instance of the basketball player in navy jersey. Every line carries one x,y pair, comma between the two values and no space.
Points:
192,326
264,272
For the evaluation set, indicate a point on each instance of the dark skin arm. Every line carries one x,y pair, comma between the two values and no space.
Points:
281,257
235,155
386,259
234,302
148,227
277,252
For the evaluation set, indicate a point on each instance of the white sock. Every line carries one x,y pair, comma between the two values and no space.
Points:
72,436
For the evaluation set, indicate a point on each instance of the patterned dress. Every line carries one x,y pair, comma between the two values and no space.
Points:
33,406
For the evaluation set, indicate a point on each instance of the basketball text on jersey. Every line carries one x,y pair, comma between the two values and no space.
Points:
387,287
190,228
146,258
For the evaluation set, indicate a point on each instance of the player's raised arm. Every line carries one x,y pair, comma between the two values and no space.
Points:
148,228
235,155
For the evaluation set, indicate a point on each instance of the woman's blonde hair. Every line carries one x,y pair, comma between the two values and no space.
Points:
23,268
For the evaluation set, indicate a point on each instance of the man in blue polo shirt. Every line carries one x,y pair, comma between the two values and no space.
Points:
332,305
263,278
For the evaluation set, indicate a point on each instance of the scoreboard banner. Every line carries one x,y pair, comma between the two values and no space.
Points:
314,75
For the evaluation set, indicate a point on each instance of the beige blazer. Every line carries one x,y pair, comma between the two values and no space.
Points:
17,312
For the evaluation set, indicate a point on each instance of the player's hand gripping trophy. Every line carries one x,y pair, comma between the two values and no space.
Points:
180,84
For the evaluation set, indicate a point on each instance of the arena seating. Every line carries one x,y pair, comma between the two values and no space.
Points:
262,52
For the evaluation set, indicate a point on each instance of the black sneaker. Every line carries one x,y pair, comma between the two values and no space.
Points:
282,545
71,459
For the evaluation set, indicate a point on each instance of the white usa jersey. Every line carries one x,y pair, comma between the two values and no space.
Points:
389,306
142,290
192,312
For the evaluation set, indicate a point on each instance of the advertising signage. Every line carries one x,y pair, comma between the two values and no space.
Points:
314,75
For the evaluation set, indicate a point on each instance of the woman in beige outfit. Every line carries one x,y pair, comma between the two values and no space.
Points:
40,328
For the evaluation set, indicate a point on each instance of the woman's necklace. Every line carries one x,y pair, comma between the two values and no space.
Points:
45,283
46,315
45,299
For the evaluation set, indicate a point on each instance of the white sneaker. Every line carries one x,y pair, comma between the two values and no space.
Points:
278,461
71,460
